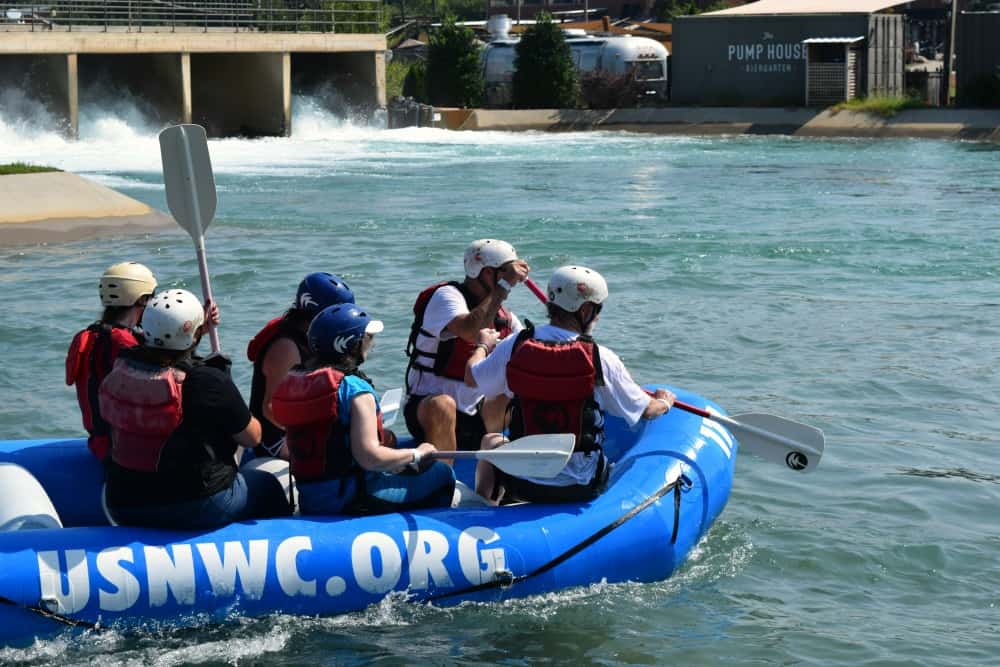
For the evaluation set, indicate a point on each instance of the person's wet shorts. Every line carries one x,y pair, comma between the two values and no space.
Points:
469,429
521,490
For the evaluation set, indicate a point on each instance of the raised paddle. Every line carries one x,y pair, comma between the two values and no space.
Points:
790,443
190,185
542,456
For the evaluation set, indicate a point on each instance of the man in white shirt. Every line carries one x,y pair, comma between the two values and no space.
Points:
560,382
440,408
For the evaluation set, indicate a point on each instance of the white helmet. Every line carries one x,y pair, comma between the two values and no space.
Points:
171,320
572,286
487,252
125,283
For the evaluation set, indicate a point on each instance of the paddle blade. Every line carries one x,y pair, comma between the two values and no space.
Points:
542,456
188,178
793,444
390,406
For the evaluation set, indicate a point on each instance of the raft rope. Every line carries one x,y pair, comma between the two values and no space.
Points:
506,580
51,615
501,581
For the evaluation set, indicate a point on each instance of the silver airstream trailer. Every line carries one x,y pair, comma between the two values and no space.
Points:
612,53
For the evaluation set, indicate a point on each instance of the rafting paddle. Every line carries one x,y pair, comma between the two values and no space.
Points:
390,406
783,441
790,443
542,456
190,186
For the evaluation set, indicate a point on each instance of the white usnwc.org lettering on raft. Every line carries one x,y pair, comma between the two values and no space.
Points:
69,580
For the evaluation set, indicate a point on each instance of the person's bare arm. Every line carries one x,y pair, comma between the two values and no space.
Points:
250,436
482,316
659,403
280,358
365,446
467,326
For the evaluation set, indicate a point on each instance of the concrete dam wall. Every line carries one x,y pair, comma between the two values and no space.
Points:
233,83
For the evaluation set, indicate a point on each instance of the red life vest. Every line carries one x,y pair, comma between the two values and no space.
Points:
306,402
553,386
142,404
257,349
449,358
91,356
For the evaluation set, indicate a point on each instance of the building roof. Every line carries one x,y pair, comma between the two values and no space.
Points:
411,44
833,40
768,7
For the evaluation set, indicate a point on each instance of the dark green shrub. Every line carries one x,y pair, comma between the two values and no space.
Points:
415,83
600,89
544,74
454,73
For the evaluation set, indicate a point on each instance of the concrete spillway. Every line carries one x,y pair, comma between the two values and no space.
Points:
232,83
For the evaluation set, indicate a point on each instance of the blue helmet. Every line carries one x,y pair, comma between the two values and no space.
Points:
320,290
333,332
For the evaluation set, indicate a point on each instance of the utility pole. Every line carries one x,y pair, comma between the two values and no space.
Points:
949,60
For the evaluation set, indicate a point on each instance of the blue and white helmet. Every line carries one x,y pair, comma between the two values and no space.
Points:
334,331
320,290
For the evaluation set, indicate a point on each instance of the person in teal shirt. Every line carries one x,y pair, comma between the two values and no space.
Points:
342,459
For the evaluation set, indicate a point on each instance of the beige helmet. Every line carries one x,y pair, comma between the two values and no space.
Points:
124,284
572,286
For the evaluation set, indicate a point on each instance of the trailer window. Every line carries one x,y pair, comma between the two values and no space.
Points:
587,57
499,64
646,70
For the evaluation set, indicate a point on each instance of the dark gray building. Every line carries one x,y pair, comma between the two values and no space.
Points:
978,61
754,55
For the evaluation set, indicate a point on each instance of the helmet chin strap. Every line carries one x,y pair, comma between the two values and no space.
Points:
585,326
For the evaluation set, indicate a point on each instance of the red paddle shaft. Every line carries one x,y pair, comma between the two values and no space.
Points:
536,290
688,408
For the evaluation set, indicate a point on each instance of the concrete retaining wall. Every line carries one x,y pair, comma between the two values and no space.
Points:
929,123
60,206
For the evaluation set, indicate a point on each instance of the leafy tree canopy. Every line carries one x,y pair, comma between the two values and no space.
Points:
454,72
544,74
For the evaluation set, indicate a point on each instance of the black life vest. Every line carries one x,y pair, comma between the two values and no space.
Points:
142,404
91,357
306,403
257,350
553,385
450,356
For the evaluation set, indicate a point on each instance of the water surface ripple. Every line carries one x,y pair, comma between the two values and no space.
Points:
848,284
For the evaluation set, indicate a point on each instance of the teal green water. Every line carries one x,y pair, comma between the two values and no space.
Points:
852,285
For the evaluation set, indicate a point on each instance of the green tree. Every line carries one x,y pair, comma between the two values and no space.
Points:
415,83
454,73
666,11
544,74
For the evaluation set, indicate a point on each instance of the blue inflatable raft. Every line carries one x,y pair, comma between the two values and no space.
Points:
671,479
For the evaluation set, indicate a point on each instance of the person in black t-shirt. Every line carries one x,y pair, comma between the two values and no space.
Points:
176,424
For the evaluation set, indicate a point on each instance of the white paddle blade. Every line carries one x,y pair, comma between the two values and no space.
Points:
188,178
793,444
390,406
542,456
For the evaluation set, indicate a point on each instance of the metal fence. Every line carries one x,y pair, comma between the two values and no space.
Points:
330,16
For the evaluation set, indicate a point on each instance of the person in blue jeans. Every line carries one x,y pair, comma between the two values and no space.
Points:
342,460
176,423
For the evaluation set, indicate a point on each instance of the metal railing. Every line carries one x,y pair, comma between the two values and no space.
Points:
329,16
